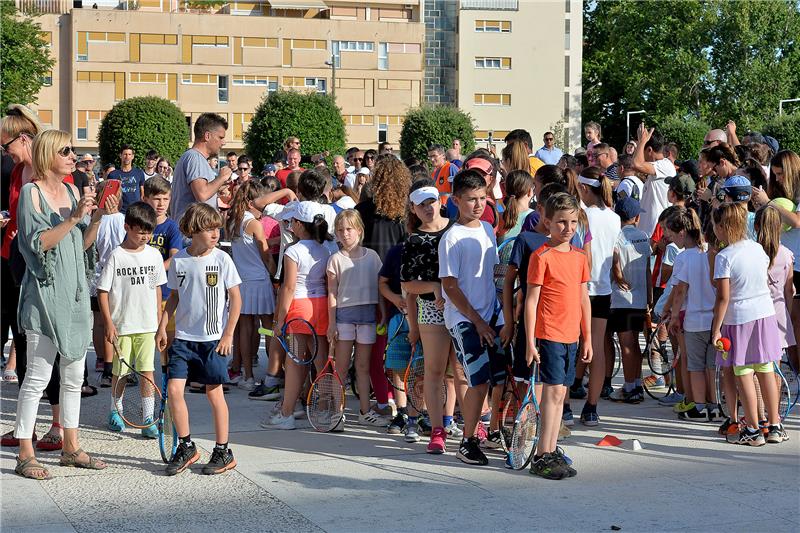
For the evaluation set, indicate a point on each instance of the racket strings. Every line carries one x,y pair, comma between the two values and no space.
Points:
325,404
415,384
523,436
136,404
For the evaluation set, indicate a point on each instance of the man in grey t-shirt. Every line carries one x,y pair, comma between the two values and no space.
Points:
194,179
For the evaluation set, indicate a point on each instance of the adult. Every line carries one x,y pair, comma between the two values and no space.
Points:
150,162
549,153
456,147
525,137
54,298
107,170
714,137
443,170
81,179
233,160
454,157
292,163
132,177
89,160
193,180
649,160
165,170
385,148
600,156
339,170
244,169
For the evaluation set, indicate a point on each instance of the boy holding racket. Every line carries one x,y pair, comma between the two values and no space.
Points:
557,278
200,276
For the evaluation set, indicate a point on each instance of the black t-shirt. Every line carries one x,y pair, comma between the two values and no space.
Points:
525,244
380,232
391,271
420,259
81,179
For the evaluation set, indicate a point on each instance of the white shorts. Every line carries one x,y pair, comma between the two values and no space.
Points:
361,333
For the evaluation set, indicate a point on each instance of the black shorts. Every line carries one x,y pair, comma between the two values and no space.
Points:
520,368
601,306
657,292
94,304
796,281
622,320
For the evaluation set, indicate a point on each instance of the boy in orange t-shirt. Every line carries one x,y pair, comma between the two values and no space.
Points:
557,280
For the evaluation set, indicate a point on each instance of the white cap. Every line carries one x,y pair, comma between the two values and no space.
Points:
422,194
350,180
363,170
302,211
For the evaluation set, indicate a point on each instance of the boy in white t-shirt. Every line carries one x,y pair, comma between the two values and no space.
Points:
467,256
649,159
129,295
201,276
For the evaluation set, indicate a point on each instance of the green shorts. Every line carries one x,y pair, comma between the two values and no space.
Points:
138,350
761,368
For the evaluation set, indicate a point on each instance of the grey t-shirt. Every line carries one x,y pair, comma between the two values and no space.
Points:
191,166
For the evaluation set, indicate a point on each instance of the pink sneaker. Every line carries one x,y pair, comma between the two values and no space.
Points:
480,432
438,436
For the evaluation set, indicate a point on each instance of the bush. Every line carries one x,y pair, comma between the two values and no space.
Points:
686,132
312,117
146,123
786,129
424,126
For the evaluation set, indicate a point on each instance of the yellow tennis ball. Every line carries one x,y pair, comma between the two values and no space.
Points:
381,329
784,203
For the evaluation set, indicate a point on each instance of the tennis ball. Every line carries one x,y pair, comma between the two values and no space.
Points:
787,204
724,344
381,329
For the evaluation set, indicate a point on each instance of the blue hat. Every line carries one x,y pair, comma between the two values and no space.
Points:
270,168
628,208
738,188
772,143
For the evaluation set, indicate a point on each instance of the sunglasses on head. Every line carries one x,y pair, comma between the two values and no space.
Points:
64,152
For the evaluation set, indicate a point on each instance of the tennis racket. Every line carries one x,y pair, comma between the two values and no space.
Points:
504,257
325,401
525,434
510,402
414,381
662,360
398,342
135,405
167,434
721,405
784,393
793,383
299,340
617,355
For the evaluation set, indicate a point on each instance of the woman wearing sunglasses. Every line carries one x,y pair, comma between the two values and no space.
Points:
57,229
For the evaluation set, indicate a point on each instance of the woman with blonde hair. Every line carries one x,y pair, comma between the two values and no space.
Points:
56,243
515,157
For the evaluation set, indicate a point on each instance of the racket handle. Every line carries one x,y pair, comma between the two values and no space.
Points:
265,331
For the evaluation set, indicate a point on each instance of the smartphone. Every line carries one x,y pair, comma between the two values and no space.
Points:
111,189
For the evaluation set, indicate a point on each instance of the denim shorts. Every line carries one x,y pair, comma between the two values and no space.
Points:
480,364
197,361
557,366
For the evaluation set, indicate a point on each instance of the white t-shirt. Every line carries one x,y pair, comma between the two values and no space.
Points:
312,259
633,247
745,263
671,253
133,281
691,267
654,195
469,255
345,202
202,284
110,234
627,184
605,227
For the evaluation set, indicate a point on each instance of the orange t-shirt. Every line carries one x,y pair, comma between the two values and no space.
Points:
560,274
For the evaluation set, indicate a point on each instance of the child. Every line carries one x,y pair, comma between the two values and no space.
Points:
519,191
557,278
744,313
352,305
303,295
130,301
255,265
631,296
693,293
467,256
593,135
200,277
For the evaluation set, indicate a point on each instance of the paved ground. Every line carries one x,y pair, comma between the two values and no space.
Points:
686,479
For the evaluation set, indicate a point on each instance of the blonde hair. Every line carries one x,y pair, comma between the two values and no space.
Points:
790,188
732,219
352,217
18,120
45,149
768,230
200,217
603,191
516,154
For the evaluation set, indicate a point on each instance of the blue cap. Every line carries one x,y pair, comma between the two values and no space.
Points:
270,168
772,143
738,188
628,208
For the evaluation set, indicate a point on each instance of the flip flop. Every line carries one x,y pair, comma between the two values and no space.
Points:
25,469
71,459
10,441
50,442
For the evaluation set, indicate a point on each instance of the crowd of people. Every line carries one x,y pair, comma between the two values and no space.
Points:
186,265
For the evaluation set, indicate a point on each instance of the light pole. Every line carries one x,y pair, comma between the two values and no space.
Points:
628,123
780,104
332,64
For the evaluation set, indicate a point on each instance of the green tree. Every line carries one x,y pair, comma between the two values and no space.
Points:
427,125
146,123
687,132
24,57
786,129
312,117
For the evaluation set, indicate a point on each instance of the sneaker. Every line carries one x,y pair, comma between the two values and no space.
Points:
671,399
753,438
566,461
247,384
563,432
221,461
397,424
618,395
634,396
470,452
184,456
339,428
712,413
590,419
263,392
493,441
371,418
234,377
151,431
550,466
486,417
436,445
683,406
567,418
453,431
725,426
654,382
424,426
411,433
115,422
777,434
577,393
278,421
693,414
105,382
299,410
606,391
389,411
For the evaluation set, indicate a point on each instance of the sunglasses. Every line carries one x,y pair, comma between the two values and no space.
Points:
549,139
244,168
66,151
358,159
7,145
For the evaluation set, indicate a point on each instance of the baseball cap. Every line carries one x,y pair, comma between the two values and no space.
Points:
363,170
303,211
270,168
628,208
479,163
738,188
772,142
681,183
422,194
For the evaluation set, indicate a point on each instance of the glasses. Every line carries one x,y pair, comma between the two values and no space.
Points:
358,159
369,157
244,168
66,151
549,139
7,145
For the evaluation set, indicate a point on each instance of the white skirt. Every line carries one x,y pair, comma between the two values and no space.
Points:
257,297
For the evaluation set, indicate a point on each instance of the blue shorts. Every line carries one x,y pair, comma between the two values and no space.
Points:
197,361
557,366
481,365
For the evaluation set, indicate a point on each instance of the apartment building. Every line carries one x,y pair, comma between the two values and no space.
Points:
224,56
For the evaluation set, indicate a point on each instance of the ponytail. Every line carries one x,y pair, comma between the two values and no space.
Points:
518,184
602,190
685,219
768,230
246,193
317,230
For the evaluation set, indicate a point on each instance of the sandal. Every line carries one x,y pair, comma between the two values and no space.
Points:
10,441
10,376
87,391
50,442
71,459
30,465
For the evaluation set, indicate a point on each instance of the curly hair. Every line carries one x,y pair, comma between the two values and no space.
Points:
390,182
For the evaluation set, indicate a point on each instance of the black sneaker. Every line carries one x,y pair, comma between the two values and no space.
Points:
549,466
723,428
693,414
470,452
634,396
777,434
397,424
494,440
424,426
606,392
184,456
266,393
712,413
566,461
577,393
221,461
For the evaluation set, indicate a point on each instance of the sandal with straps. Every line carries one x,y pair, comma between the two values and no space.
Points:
27,467
51,442
71,459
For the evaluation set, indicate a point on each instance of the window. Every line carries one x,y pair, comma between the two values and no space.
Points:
566,71
383,56
148,77
356,46
492,99
358,120
493,26
567,6
209,40
493,62
404,48
83,134
47,79
566,34
309,44
383,132
337,58
222,89
198,79
566,106
320,84
273,84
264,81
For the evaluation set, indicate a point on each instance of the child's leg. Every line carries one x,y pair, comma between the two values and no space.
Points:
770,392
219,410
148,399
731,393
473,404
610,354
747,389
597,367
436,347
458,376
631,355
236,354
551,406
99,337
177,406
711,389
683,370
363,360
276,357
343,355
295,376
245,330
378,379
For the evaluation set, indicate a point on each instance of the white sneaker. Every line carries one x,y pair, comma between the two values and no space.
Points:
247,384
299,410
339,428
411,433
371,418
453,431
278,421
276,408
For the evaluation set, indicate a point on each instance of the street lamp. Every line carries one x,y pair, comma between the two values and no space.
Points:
628,123
780,104
332,64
